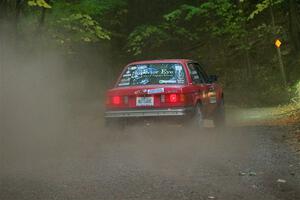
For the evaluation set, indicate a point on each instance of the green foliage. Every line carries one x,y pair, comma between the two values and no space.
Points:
80,27
145,37
94,8
175,27
77,21
260,7
39,3
236,38
229,19
74,21
187,12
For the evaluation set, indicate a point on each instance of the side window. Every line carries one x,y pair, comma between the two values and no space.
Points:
196,75
204,74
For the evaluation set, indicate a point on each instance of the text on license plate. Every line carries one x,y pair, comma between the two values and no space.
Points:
144,101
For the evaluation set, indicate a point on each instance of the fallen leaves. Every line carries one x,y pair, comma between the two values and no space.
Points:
289,117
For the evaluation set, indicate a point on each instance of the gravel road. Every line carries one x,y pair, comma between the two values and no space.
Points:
79,159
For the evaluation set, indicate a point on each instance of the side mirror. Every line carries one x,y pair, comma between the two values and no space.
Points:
213,78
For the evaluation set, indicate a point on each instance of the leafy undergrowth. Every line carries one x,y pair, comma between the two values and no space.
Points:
289,116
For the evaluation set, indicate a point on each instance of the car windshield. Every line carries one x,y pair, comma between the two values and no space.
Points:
153,74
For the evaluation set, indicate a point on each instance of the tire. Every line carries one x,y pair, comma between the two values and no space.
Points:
219,116
198,117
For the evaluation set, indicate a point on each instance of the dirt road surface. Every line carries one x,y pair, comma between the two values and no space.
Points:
79,159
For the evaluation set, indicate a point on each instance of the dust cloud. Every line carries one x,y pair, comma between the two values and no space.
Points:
52,129
38,92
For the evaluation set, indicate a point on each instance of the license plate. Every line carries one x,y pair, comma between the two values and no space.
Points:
144,101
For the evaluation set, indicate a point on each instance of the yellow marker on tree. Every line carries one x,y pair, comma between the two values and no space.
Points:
278,43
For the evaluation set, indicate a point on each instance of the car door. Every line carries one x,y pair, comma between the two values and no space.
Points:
199,84
214,91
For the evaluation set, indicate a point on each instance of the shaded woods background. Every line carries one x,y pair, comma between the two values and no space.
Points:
232,38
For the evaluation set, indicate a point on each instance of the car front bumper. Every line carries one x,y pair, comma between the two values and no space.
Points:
149,112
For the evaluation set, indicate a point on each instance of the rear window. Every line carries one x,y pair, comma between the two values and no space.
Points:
153,74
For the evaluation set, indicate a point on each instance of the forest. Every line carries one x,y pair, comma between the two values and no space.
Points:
234,39
161,133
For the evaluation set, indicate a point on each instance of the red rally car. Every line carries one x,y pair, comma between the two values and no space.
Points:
175,88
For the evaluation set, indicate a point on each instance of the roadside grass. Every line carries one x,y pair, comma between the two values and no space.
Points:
289,117
290,113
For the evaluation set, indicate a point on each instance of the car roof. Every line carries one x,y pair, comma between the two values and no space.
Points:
160,61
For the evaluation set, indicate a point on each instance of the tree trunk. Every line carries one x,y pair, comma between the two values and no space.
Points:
43,15
17,17
294,24
272,17
282,69
249,67
18,9
42,19
246,42
4,8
